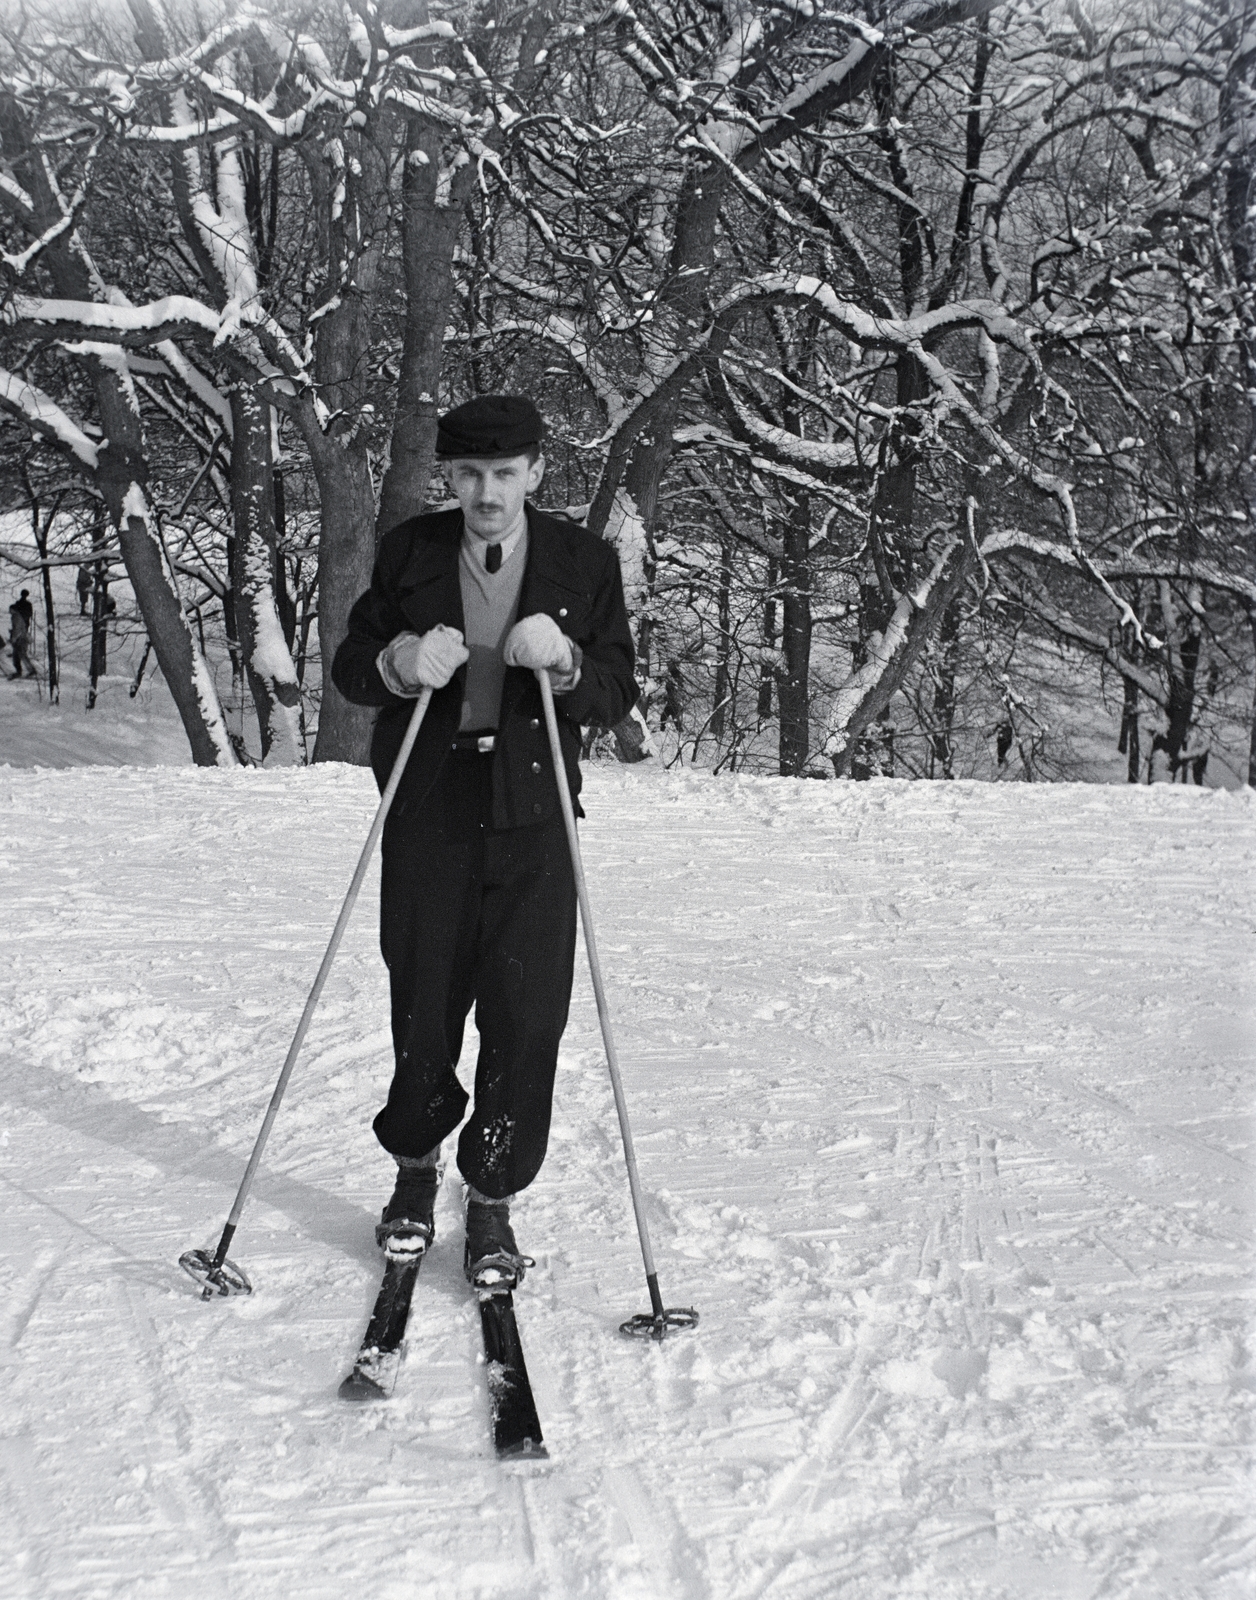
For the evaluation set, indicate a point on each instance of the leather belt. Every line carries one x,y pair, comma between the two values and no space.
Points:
477,743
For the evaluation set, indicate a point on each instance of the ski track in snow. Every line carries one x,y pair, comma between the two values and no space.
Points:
942,1099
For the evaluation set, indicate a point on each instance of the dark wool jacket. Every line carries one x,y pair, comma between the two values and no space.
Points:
571,576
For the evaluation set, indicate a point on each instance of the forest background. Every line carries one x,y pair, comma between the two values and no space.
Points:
906,354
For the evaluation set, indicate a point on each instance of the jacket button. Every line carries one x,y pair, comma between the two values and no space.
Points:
562,611
535,723
536,766
536,810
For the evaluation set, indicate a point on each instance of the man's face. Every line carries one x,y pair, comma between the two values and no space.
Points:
492,490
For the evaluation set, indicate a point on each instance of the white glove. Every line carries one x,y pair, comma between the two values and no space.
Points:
413,662
538,643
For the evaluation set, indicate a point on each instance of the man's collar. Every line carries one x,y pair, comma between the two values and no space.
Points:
477,546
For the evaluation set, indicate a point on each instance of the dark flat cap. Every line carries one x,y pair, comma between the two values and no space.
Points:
490,425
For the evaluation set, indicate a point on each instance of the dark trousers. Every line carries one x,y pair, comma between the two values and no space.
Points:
470,915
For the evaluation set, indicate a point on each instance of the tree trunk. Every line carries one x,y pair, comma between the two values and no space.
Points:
890,523
892,653
234,708
1251,747
283,595
122,475
1234,108
1130,742
356,236
429,233
793,689
346,555
1182,650
50,616
942,738
100,590
272,676
98,665
677,322
764,707
139,671
723,677
641,484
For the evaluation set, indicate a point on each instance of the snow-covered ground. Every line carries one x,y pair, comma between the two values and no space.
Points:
117,731
943,1104
140,729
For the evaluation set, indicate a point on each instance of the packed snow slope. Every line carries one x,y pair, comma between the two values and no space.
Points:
943,1106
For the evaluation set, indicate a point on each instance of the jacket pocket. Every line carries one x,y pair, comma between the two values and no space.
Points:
569,608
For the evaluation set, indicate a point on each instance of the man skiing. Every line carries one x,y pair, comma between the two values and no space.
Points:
21,615
477,901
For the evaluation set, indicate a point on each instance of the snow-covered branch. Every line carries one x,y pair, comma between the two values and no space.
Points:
22,259
44,416
150,324
872,332
882,648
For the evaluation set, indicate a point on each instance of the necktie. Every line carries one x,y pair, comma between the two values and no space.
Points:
493,557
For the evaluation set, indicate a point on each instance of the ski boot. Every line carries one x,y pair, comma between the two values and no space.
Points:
493,1262
407,1225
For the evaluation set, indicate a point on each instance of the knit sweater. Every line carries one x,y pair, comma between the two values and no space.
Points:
490,605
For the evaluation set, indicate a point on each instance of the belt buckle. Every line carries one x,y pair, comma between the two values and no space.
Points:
486,743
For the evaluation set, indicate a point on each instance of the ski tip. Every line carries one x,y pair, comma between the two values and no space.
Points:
358,1387
523,1450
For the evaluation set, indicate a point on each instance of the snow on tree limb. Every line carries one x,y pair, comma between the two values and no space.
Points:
872,332
838,83
172,135
137,324
15,197
1118,568
882,647
160,321
824,455
137,512
44,416
195,381
1061,620
114,358
67,221
1048,482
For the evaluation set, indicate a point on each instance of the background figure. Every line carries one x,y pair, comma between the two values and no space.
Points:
20,618
83,588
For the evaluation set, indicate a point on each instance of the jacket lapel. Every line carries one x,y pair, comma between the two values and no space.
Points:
429,591
545,566
546,563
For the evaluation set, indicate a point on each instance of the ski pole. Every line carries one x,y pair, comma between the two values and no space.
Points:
655,1322
215,1272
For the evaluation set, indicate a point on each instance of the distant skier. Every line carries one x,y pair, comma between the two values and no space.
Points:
477,902
21,615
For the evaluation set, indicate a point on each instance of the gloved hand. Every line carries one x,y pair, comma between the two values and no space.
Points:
414,662
538,643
